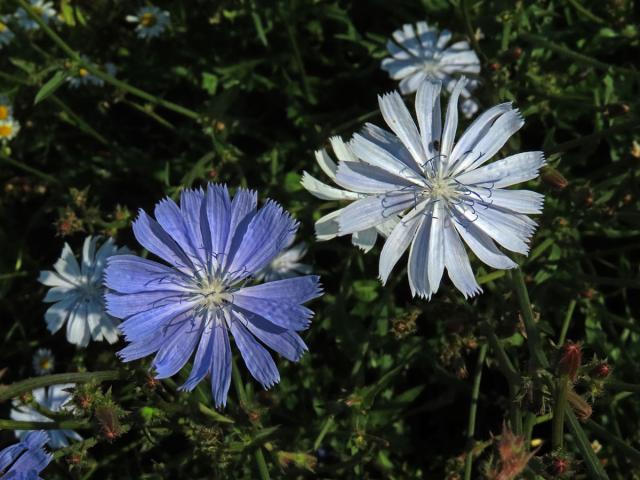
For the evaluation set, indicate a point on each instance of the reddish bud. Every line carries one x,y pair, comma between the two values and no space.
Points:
571,360
516,53
603,370
560,466
74,459
494,66
554,178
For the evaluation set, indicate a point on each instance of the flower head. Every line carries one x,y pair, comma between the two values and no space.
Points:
419,52
9,128
286,264
151,21
43,361
446,192
54,398
77,294
26,459
6,35
6,109
214,245
327,227
42,8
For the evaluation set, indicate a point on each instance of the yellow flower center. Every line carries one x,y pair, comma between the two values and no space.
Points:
45,364
6,131
4,112
37,10
83,72
148,20
3,27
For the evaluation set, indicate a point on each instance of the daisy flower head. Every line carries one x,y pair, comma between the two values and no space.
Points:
9,128
77,294
327,227
151,21
447,192
214,245
81,77
41,8
43,361
6,35
419,52
26,459
286,264
55,398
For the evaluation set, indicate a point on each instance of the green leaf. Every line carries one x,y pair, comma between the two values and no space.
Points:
209,83
366,290
50,87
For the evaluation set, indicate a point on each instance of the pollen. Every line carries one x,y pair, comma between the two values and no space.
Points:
4,110
148,20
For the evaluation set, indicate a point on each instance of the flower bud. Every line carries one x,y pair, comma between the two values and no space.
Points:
560,466
571,360
553,177
602,370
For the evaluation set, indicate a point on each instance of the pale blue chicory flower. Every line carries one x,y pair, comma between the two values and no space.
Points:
55,398
286,264
26,459
420,52
151,21
446,192
214,245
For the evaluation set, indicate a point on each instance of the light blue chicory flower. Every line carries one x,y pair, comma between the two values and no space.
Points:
214,245
151,21
445,192
42,8
55,398
26,459
6,35
420,52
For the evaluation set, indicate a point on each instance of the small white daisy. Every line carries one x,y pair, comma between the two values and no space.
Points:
327,226
151,21
53,398
6,35
422,52
9,128
43,361
42,8
286,265
78,294
447,193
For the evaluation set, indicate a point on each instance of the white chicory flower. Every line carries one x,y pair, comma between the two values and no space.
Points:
447,192
419,52
77,294
55,398
327,226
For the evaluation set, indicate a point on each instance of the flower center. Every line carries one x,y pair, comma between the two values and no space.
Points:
45,364
4,112
443,188
214,294
148,20
3,27
83,72
6,130
37,10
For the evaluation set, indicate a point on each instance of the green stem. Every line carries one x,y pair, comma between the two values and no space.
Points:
54,425
27,168
631,453
584,12
18,388
566,323
586,139
534,341
103,75
7,276
568,53
559,407
582,442
242,395
622,386
530,421
328,424
473,410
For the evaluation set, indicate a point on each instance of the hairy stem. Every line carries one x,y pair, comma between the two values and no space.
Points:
473,410
557,425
